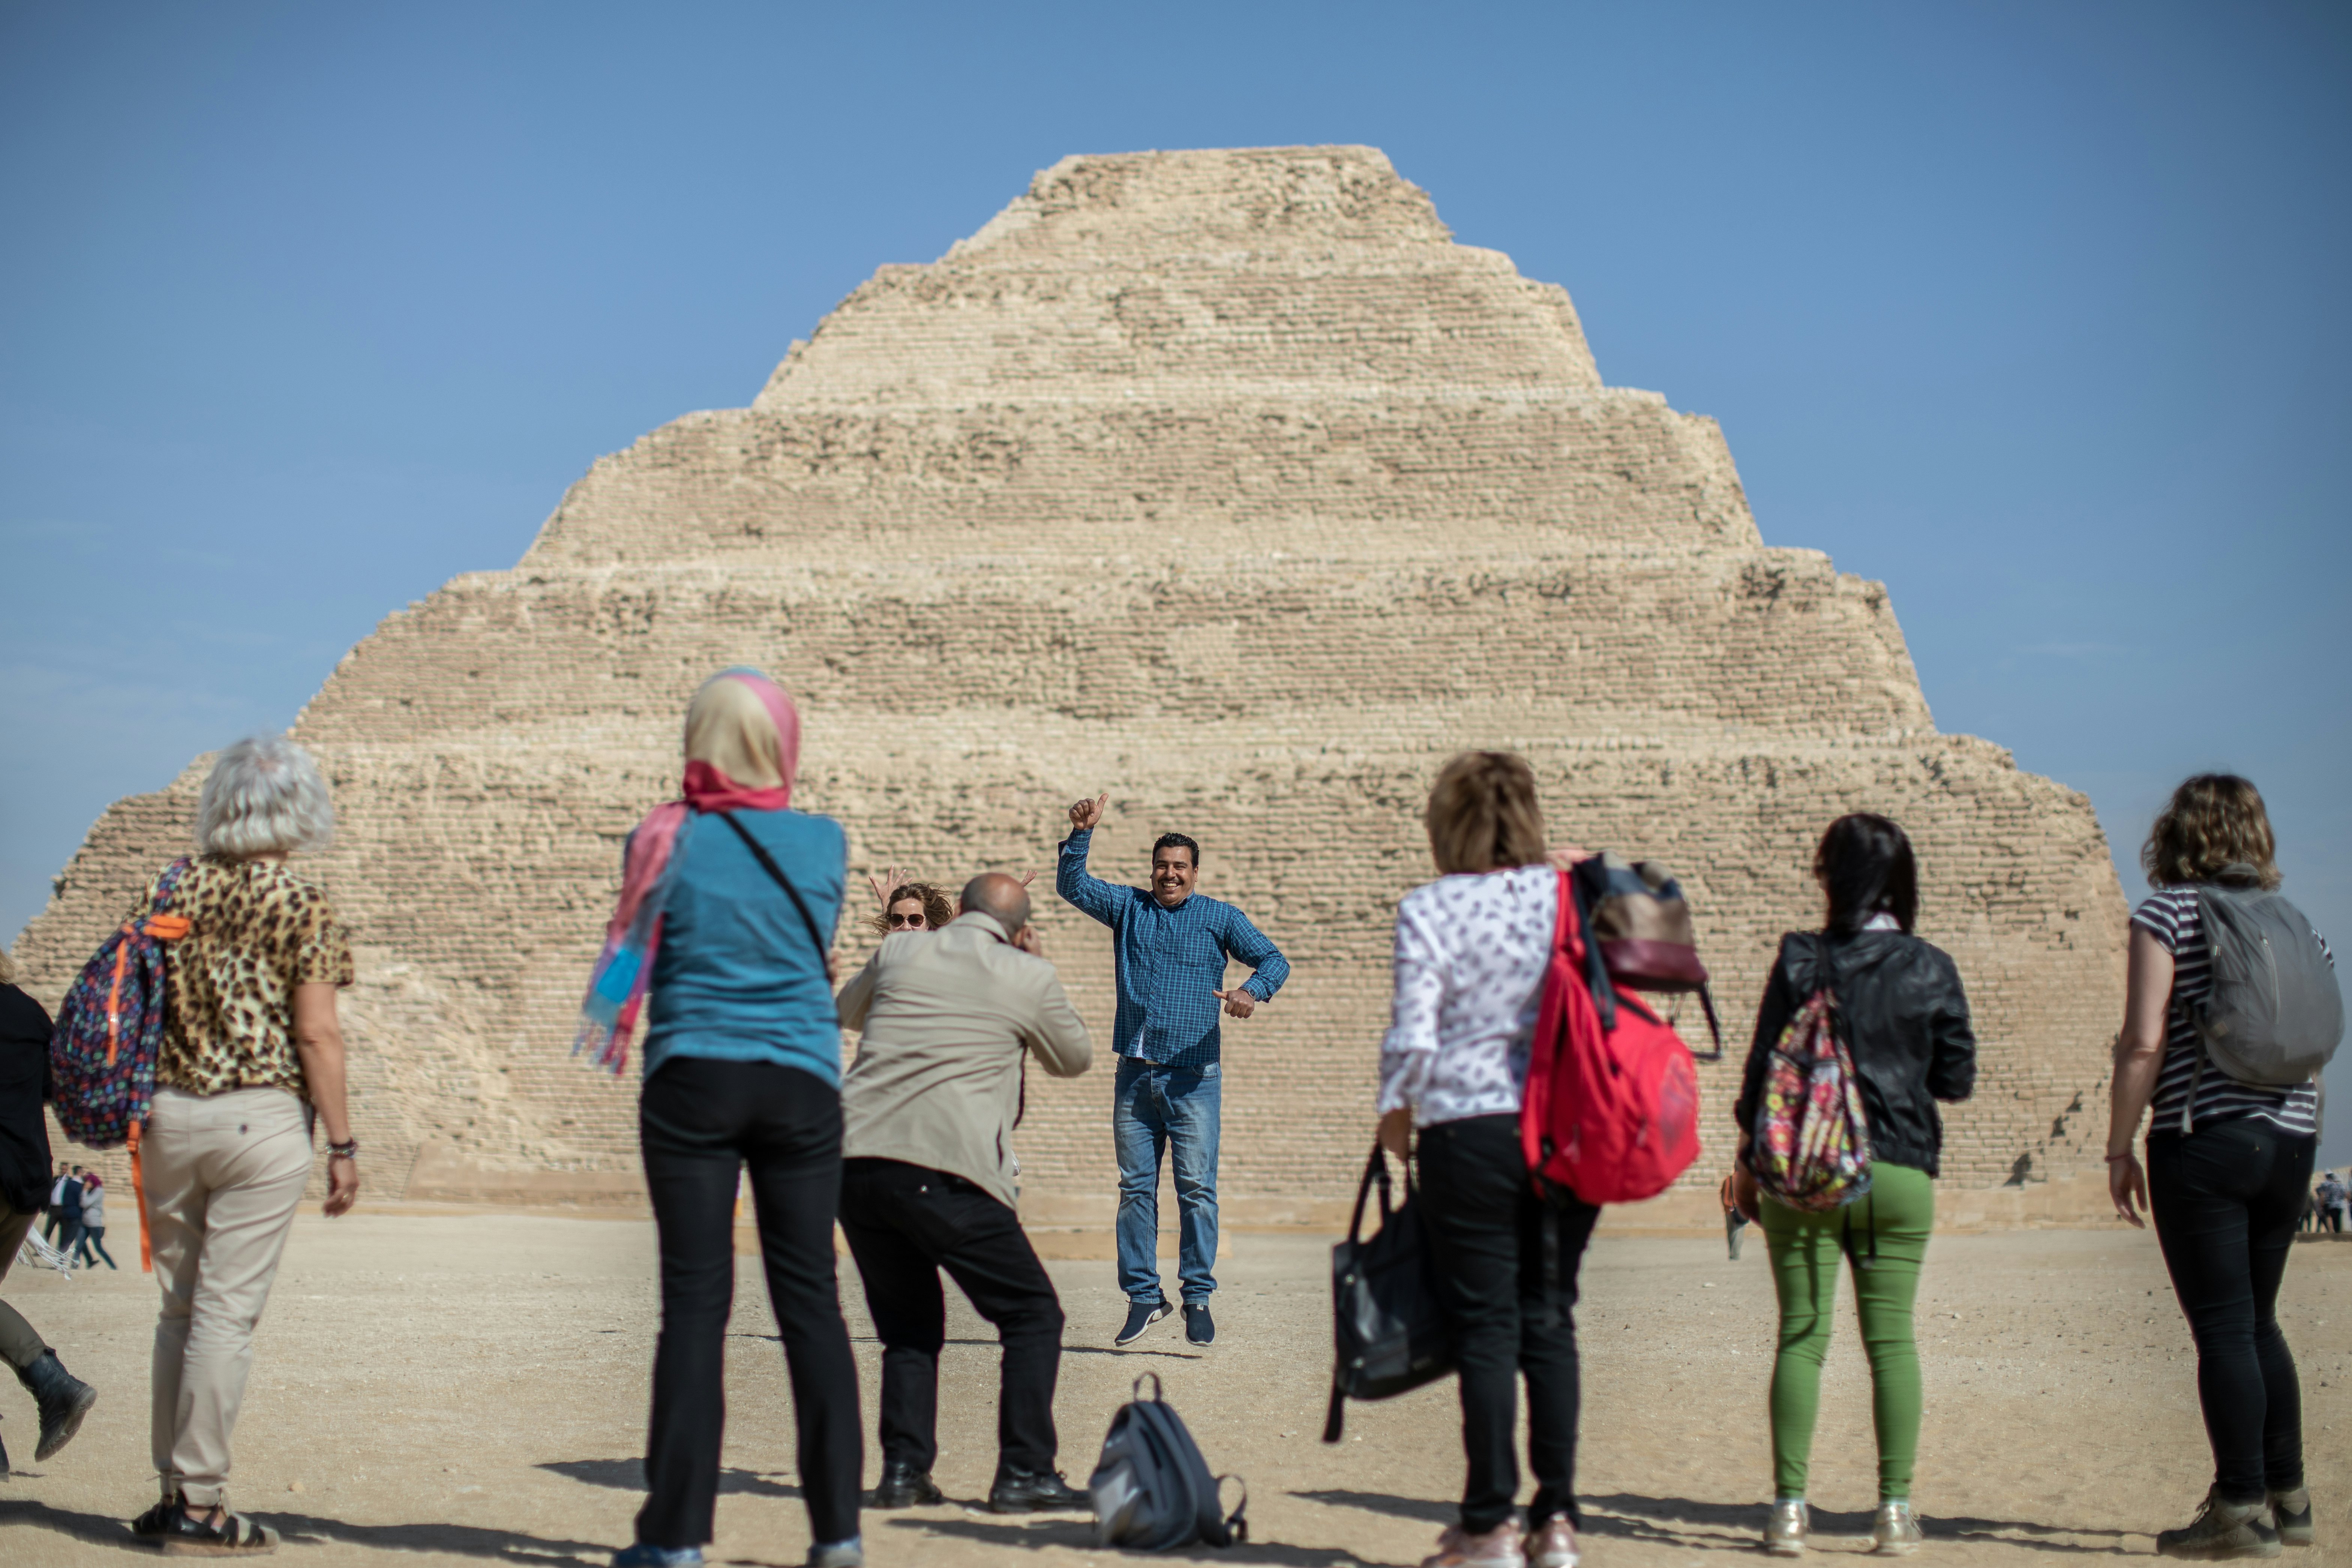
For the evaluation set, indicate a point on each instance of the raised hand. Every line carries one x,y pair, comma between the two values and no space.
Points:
1239,1002
1087,813
891,878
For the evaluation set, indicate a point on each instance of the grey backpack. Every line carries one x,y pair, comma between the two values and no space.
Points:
1152,1491
2276,1012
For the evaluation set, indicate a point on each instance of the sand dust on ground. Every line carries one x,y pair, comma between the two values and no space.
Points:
470,1389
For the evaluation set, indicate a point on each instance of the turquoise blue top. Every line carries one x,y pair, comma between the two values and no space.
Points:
737,978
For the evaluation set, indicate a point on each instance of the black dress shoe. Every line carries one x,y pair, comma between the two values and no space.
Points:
903,1486
1021,1491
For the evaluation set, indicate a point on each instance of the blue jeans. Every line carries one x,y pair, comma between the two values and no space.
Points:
1158,1109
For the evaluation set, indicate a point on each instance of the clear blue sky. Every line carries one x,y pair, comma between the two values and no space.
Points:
2037,312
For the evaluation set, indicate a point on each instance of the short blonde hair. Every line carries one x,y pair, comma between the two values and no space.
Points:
2212,820
264,796
1483,814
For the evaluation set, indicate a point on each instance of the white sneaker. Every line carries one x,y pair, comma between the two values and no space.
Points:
1498,1548
1552,1544
1896,1529
1784,1532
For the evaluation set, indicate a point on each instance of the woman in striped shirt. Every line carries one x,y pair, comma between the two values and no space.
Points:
2228,1165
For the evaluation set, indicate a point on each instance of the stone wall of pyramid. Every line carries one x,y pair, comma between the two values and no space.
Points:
1224,481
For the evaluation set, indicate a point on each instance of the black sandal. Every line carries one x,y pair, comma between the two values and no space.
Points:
187,1534
156,1520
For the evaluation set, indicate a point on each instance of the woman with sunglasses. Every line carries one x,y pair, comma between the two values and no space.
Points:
908,905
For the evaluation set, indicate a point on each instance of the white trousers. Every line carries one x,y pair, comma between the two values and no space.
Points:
225,1174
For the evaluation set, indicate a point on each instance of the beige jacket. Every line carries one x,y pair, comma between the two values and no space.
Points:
946,1015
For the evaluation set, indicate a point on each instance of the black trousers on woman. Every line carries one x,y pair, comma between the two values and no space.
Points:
1508,1260
699,1122
2226,1198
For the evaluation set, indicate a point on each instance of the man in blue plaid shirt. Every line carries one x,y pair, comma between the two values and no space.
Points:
1169,946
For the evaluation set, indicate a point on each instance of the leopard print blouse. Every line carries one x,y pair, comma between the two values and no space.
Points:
256,932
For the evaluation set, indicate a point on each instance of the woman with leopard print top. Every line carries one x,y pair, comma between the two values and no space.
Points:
251,1055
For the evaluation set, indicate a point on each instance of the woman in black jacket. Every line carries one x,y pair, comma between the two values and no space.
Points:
1906,1022
62,1399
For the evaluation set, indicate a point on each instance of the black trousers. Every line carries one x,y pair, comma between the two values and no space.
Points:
699,1122
2226,1199
1511,1290
905,1224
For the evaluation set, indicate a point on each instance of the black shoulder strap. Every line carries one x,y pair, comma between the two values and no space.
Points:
768,864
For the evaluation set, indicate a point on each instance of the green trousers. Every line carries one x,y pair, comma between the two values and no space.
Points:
1893,1222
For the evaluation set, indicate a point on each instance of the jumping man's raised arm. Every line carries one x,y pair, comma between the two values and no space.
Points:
1078,885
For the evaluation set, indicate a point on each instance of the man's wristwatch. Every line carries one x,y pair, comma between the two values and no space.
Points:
347,1150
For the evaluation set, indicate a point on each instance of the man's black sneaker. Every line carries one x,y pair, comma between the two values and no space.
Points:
2222,1530
1199,1328
2292,1524
1020,1491
903,1486
63,1398
1140,1315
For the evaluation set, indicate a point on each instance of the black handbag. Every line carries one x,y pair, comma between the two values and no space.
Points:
1388,1317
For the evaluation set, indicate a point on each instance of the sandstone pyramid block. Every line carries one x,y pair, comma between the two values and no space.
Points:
1226,482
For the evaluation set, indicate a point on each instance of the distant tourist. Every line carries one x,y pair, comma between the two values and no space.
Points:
1906,1022
2332,1197
729,903
60,1399
1471,951
251,1052
908,905
69,1211
93,1223
1169,949
53,1211
2226,1192
927,1179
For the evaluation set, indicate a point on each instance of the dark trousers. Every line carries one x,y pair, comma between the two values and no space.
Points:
1511,1290
2226,1198
699,1122
905,1224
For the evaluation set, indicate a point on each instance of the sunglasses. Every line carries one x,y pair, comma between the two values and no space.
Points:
906,923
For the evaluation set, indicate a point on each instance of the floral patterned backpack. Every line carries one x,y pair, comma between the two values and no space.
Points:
110,1029
1811,1148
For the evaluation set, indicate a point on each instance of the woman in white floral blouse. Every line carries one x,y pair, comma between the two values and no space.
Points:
1471,949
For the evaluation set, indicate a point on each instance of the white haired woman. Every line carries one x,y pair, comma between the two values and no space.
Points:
251,1055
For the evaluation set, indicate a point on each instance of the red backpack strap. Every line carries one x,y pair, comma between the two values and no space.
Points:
1568,950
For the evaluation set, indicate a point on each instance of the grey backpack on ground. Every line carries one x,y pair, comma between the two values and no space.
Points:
1152,1491
2276,1012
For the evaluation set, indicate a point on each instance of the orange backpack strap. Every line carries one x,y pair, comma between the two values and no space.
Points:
139,1192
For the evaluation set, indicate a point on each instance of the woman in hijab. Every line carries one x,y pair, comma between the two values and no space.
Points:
728,902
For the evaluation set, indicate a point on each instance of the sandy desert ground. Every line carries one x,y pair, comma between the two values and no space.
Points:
468,1388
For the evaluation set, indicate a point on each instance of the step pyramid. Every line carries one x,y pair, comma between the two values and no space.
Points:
1224,481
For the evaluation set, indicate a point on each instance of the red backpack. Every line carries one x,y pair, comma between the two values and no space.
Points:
1611,1106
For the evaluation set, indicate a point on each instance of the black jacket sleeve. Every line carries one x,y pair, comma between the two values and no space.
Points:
1952,1069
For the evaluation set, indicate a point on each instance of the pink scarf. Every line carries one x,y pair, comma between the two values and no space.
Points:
616,990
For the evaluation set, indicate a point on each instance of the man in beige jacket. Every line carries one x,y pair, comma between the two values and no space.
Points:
928,1111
